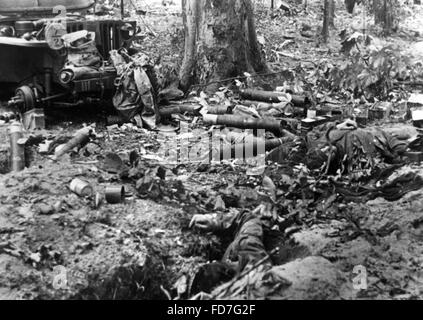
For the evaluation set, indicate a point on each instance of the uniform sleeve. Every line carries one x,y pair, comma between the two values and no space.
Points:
390,146
399,147
247,246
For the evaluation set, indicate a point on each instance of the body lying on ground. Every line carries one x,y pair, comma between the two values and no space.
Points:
341,148
245,250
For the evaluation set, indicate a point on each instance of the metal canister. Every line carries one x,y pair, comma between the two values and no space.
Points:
4,149
17,146
81,188
115,194
23,27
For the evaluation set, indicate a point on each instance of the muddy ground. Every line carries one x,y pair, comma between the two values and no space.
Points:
142,248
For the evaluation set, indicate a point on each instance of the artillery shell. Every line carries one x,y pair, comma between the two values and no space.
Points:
17,147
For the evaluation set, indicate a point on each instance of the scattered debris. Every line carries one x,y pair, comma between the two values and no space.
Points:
81,188
17,146
115,194
80,139
276,186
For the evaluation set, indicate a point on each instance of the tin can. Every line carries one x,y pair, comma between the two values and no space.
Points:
311,114
17,147
81,188
115,194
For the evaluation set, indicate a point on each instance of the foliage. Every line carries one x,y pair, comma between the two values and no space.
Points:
370,70
389,13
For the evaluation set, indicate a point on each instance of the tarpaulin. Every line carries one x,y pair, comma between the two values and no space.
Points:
134,91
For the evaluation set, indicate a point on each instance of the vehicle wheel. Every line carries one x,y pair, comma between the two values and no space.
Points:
26,97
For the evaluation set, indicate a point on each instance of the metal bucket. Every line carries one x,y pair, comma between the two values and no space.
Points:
115,194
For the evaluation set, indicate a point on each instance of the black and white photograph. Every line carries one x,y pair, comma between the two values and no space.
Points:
211,154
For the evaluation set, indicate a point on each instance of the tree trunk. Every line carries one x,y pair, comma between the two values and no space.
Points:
384,14
332,13
326,21
350,4
220,41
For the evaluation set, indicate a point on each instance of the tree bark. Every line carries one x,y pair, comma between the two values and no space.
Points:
384,14
326,21
220,41
332,13
350,4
